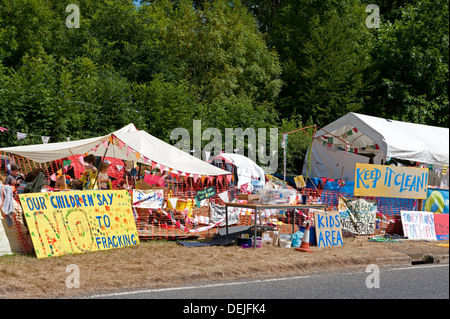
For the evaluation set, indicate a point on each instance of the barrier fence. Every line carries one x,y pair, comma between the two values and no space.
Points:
187,220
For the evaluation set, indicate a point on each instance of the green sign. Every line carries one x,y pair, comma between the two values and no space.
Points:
206,193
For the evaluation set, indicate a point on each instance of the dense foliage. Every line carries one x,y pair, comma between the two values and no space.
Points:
229,63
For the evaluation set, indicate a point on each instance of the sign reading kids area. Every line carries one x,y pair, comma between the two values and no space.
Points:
63,223
390,181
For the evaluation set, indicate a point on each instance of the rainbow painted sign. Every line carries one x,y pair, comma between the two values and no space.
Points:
72,222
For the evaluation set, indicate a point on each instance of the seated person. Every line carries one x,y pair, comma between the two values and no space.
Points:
34,182
15,178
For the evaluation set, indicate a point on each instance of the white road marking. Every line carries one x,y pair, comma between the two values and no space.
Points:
116,294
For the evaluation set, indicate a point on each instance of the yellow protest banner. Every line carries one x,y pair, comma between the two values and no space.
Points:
390,181
72,222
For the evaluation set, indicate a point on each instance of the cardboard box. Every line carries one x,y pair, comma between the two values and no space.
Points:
250,198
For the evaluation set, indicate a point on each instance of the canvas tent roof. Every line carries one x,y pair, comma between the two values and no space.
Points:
129,144
383,138
247,169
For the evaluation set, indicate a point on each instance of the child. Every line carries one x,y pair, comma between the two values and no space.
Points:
103,178
15,178
89,176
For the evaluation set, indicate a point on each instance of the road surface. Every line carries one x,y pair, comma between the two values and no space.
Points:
429,281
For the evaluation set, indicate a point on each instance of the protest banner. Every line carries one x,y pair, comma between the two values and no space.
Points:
441,222
328,228
390,181
358,216
418,225
148,198
218,214
62,223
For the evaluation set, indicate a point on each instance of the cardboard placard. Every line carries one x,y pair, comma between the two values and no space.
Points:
148,198
441,222
206,193
328,228
418,225
299,181
390,181
62,223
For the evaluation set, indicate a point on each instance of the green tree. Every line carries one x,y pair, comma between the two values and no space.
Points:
324,47
412,56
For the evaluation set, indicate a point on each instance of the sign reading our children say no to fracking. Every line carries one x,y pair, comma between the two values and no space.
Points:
63,223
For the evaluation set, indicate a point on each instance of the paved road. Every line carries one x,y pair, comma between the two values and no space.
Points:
410,282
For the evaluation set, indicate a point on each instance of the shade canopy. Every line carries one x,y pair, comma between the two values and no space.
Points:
128,144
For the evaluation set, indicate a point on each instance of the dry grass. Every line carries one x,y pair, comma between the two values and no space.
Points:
160,264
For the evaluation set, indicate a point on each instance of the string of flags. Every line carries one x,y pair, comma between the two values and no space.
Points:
328,141
162,168
114,140
21,135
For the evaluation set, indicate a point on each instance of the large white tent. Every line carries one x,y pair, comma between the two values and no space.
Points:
383,139
128,144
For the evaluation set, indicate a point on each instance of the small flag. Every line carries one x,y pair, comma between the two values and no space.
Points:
21,136
45,139
224,196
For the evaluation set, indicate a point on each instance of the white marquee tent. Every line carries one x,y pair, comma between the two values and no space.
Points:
382,138
128,144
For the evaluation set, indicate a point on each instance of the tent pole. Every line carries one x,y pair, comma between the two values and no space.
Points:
103,159
284,155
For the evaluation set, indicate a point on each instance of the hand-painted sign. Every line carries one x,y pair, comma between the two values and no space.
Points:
441,222
206,193
218,214
147,198
328,228
299,181
62,223
390,181
418,225
358,215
